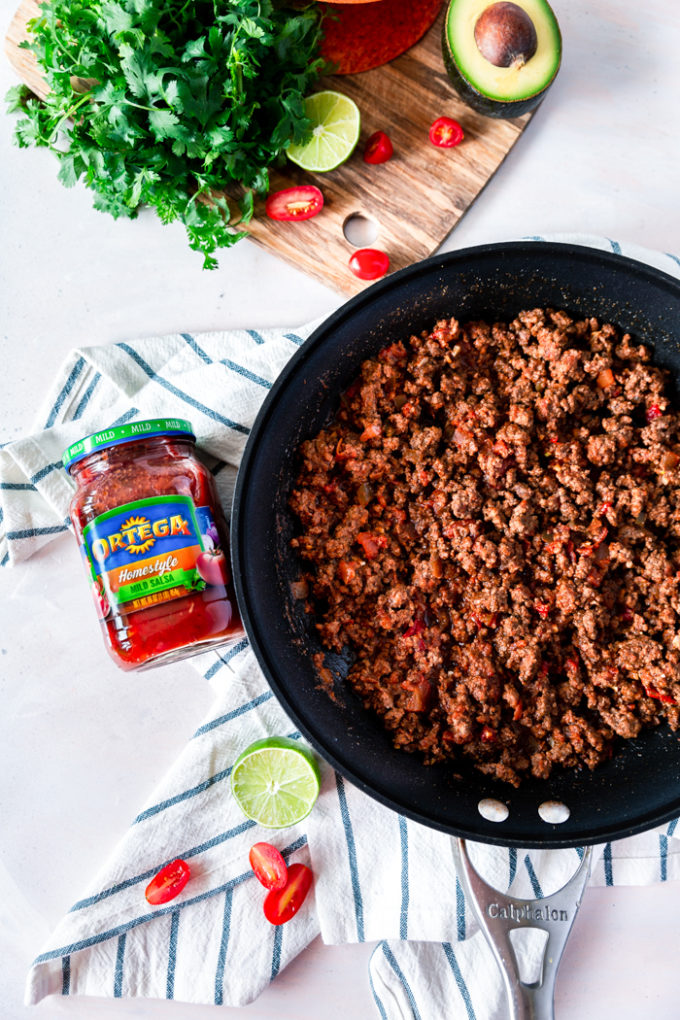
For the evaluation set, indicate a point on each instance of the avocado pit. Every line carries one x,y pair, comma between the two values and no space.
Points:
505,35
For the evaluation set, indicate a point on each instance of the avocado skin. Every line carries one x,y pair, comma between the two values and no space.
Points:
505,109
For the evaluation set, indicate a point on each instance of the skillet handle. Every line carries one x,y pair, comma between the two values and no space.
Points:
498,915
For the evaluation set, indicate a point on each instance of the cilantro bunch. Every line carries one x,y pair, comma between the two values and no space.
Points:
167,103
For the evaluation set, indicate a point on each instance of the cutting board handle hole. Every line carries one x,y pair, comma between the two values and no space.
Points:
361,231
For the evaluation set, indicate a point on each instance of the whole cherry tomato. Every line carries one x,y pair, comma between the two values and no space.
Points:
269,866
168,883
369,263
445,133
282,904
299,203
378,148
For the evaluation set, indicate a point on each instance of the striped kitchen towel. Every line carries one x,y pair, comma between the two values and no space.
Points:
212,944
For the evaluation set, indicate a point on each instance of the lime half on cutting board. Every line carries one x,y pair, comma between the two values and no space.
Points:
276,782
336,123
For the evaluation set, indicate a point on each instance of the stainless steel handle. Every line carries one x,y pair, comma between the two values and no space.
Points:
499,914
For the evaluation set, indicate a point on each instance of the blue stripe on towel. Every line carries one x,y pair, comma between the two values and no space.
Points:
533,878
246,373
187,337
34,532
389,956
171,388
352,855
224,660
403,916
241,710
615,246
276,951
460,912
172,956
673,257
672,827
460,980
607,862
66,975
87,396
17,486
580,850
185,795
254,335
224,945
294,338
64,392
44,471
663,852
512,864
118,973
223,837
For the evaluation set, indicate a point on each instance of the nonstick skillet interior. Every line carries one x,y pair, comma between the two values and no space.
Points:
640,786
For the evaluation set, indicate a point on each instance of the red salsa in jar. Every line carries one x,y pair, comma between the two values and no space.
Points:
154,542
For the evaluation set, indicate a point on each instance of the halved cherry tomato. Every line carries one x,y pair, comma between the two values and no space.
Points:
378,148
269,866
282,904
168,883
445,133
369,263
299,203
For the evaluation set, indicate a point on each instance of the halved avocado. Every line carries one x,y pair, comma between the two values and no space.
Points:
501,57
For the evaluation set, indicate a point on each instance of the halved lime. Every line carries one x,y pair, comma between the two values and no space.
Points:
336,123
276,782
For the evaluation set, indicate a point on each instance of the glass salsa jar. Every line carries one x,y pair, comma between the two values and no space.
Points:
154,542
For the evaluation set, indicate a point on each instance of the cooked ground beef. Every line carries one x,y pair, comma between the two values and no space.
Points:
492,525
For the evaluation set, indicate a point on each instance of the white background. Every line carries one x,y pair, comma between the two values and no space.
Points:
81,744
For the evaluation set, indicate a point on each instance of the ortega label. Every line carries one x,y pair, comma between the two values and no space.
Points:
146,552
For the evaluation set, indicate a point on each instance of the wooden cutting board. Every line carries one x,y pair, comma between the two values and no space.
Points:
414,200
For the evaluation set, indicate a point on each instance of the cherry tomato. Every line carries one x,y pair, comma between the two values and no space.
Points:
378,148
269,866
300,203
445,133
168,883
281,904
369,263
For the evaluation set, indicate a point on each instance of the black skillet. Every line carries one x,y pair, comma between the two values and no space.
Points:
640,786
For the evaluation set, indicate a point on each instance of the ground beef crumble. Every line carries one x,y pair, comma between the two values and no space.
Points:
492,525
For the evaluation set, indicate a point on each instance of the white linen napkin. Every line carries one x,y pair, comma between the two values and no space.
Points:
430,961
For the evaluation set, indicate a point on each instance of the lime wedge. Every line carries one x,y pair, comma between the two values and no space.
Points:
276,782
335,131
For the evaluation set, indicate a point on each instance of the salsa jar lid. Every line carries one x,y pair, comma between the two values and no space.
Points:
124,433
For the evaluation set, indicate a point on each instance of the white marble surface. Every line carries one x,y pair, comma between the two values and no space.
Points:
80,743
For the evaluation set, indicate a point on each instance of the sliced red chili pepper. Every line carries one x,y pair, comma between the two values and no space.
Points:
445,133
282,904
417,627
168,883
542,608
378,148
269,866
652,692
369,263
654,412
299,203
